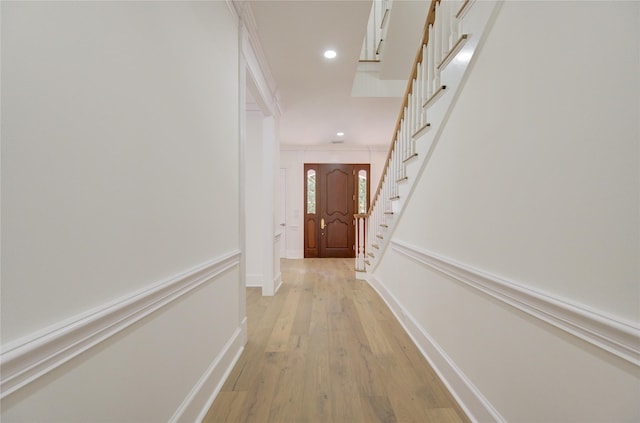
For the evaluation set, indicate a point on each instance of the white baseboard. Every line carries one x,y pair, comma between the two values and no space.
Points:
199,400
475,405
254,280
277,282
294,254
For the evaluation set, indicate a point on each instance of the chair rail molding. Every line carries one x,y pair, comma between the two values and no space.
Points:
24,360
611,334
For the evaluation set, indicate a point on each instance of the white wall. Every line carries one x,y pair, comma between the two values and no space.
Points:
119,174
262,144
535,180
293,158
254,199
262,244
277,231
267,210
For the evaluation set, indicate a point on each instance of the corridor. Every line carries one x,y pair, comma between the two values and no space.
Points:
327,349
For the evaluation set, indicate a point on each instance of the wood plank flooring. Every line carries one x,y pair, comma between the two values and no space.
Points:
327,349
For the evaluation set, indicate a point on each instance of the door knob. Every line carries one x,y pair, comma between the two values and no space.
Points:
322,223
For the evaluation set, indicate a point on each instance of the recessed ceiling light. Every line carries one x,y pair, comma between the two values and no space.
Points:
340,134
330,54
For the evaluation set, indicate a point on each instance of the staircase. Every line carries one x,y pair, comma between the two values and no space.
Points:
454,31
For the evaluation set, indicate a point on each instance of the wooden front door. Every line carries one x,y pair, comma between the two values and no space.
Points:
330,203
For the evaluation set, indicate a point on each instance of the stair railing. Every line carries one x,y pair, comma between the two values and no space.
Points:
441,41
376,31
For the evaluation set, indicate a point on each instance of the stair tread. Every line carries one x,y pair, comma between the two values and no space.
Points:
411,157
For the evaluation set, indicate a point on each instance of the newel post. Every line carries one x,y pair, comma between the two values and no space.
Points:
360,251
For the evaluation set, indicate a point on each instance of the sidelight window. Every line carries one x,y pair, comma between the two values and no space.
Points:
362,191
311,191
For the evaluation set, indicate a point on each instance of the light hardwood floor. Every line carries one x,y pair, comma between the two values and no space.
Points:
327,349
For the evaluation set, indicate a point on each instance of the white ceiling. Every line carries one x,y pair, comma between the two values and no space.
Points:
315,93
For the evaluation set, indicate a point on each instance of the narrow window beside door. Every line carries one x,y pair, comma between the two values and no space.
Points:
311,191
363,188
333,193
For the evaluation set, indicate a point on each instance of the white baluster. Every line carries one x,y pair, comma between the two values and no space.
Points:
408,110
455,22
407,133
418,100
398,173
397,141
410,140
425,72
385,194
357,243
439,54
392,176
398,169
414,104
431,63
407,126
444,17
362,251
437,40
406,136
359,224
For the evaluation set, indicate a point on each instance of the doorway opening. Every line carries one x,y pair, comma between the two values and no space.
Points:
333,193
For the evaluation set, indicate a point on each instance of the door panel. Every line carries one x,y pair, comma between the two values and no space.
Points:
330,203
337,234
336,190
311,228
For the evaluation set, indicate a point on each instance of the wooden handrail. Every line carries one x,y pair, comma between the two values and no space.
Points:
431,18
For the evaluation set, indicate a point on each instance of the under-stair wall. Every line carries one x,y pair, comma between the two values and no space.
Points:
509,248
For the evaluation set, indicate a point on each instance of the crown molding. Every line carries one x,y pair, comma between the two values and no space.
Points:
257,64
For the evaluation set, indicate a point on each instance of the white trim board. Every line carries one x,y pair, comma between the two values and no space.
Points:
474,404
294,254
199,400
277,282
611,334
256,62
254,280
24,360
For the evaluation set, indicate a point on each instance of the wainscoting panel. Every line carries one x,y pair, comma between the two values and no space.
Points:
617,337
199,400
29,358
475,405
